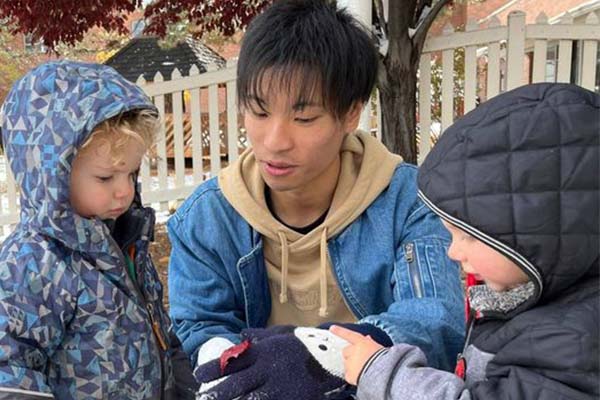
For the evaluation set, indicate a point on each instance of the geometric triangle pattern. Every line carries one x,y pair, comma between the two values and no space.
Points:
72,322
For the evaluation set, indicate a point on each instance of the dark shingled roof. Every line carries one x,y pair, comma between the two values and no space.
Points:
143,55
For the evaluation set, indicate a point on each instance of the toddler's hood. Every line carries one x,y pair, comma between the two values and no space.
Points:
520,173
46,117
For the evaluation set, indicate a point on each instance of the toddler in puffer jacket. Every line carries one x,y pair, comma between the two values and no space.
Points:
81,314
516,184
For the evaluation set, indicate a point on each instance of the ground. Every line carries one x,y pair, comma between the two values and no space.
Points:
160,251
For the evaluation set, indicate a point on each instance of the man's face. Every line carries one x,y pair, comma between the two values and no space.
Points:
485,263
296,144
100,188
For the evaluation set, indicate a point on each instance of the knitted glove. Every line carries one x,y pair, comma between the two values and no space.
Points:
279,363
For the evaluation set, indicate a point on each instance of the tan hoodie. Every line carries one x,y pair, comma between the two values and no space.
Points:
304,291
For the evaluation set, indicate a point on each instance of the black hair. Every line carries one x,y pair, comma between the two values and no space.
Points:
322,52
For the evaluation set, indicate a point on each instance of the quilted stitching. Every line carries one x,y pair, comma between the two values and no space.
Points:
523,168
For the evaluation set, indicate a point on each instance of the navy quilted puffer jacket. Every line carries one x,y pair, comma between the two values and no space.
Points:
73,325
521,173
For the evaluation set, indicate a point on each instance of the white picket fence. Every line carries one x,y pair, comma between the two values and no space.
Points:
504,51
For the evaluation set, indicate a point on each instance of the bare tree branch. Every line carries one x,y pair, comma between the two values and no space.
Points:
421,34
381,16
419,10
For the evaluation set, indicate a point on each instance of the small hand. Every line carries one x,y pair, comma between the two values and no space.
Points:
356,355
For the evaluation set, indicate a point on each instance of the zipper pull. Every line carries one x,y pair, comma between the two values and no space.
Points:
461,367
156,328
408,252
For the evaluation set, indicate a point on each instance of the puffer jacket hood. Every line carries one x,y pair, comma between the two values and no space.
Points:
46,117
520,173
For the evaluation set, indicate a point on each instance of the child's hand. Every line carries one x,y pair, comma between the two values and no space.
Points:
356,355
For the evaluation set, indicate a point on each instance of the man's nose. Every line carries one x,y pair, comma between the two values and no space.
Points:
278,137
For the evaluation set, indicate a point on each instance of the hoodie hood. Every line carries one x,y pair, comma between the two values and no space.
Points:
366,170
520,173
48,114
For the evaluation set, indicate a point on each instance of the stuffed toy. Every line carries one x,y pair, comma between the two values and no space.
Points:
259,367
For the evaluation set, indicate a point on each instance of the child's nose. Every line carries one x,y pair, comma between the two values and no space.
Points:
124,189
454,252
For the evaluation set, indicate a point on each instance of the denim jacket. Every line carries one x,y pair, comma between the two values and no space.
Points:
390,265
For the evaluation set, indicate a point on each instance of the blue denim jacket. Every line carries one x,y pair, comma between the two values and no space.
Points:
390,264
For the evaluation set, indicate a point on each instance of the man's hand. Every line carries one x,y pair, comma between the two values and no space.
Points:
279,363
357,353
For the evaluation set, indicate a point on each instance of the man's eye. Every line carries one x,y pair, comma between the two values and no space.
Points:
306,120
260,114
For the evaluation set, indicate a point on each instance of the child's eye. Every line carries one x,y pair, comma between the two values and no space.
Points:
104,178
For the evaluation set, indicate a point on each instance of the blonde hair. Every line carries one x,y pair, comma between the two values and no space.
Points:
140,126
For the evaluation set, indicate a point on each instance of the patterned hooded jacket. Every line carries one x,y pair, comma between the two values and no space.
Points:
521,174
73,325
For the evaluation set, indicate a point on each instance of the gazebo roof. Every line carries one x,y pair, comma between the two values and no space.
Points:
143,55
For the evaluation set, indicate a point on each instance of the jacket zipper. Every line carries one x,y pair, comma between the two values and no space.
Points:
460,358
413,269
148,307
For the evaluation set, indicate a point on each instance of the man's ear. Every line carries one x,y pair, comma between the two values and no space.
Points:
352,117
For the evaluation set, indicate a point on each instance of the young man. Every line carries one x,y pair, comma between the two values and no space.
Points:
315,223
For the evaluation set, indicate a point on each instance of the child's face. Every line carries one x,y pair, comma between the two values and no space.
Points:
485,263
99,188
296,145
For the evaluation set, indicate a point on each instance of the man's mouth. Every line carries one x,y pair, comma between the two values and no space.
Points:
277,168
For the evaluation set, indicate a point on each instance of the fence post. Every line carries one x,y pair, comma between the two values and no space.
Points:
196,118
213,125
232,117
470,71
179,155
493,65
447,83
424,106
145,167
516,49
540,48
590,52
161,142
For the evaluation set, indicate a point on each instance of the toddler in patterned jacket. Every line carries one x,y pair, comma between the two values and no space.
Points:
81,314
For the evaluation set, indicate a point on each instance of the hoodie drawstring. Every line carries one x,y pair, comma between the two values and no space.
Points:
284,267
283,298
323,274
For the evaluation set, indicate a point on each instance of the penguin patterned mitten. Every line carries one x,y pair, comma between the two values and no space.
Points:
281,362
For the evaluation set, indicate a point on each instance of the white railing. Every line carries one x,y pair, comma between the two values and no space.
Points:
505,54
203,131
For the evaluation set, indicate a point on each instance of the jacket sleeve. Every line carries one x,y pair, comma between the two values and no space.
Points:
428,307
202,302
553,360
32,318
401,372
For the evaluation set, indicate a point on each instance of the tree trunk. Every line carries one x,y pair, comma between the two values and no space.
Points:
398,108
397,81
